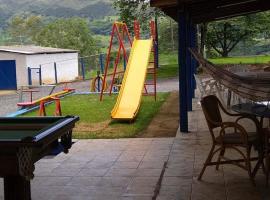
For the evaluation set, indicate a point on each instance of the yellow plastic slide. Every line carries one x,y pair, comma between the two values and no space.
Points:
129,97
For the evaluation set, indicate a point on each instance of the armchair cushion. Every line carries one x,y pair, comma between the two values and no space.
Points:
235,138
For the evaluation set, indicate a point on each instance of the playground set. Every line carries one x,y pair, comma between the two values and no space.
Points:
131,66
135,73
122,43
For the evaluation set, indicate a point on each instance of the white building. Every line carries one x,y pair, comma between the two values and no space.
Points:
20,65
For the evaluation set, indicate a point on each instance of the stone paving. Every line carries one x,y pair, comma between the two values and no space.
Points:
186,159
103,169
129,169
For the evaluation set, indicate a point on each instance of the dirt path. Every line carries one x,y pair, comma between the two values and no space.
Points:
166,122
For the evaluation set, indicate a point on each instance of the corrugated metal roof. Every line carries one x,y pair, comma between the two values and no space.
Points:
30,50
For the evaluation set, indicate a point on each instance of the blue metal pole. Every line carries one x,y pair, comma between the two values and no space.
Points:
83,68
101,63
29,76
98,86
156,44
55,73
189,65
182,58
125,64
40,75
194,63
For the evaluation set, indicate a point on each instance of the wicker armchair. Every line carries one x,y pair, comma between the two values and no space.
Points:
267,154
231,135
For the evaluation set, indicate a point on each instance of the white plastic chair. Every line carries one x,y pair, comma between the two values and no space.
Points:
208,86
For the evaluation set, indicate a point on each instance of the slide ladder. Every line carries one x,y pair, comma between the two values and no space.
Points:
152,67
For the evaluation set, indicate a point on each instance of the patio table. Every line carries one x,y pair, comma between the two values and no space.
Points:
262,111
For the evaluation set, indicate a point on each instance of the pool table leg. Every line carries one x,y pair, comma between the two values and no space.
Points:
66,141
17,187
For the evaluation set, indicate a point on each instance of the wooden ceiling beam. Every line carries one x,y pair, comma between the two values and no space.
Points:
210,10
172,3
162,3
171,12
229,11
211,5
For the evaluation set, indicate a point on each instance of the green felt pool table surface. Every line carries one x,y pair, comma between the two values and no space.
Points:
21,127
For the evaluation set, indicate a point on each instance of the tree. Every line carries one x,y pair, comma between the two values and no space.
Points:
224,35
130,10
72,33
202,38
168,40
24,28
262,24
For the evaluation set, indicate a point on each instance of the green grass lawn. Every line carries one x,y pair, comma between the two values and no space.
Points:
168,59
167,71
242,60
168,65
95,121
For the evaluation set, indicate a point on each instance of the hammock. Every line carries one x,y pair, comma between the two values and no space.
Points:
252,88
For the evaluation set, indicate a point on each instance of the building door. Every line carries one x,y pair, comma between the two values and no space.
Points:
8,75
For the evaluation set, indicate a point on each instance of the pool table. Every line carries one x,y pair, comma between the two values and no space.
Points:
24,141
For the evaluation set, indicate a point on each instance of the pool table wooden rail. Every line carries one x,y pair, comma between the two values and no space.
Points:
18,156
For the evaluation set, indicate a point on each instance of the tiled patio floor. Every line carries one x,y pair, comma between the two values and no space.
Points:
186,159
128,169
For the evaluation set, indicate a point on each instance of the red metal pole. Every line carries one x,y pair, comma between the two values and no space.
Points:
121,47
129,38
153,35
145,89
155,75
107,62
115,67
136,29
121,44
58,110
153,29
42,111
130,42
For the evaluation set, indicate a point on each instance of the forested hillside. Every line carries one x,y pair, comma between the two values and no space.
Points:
92,9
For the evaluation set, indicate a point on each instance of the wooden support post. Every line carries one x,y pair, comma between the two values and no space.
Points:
182,59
